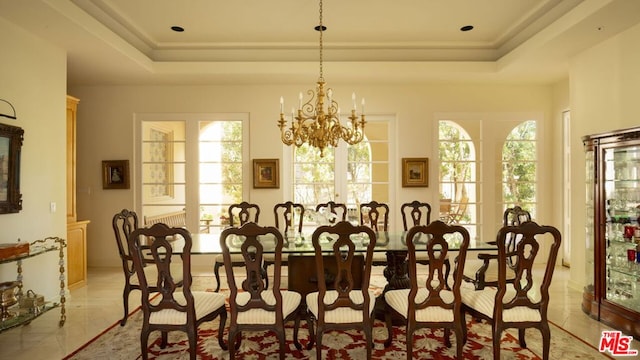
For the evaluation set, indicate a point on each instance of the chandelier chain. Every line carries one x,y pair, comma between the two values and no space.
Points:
321,29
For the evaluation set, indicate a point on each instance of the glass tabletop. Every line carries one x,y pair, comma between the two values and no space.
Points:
385,241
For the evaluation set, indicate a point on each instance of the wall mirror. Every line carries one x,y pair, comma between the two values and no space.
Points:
10,148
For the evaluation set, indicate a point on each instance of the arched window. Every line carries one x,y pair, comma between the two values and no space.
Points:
457,176
519,164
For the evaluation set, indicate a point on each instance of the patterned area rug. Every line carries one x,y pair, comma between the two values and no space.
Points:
124,343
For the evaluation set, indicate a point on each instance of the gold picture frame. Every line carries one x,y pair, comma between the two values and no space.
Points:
115,174
266,173
415,172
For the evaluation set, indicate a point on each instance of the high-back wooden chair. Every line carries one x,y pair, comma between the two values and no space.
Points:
418,213
522,303
375,215
239,214
124,223
415,213
483,270
289,218
252,306
242,213
430,303
337,209
348,305
167,306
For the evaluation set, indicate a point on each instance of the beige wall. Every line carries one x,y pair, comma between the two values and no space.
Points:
105,132
605,83
33,79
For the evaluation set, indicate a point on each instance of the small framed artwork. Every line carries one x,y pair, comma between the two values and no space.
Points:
11,138
415,172
115,174
266,173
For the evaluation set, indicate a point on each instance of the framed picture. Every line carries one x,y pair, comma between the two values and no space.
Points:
415,172
115,174
11,138
266,173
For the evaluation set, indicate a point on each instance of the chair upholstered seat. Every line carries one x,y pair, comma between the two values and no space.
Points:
205,303
399,301
290,302
484,302
340,315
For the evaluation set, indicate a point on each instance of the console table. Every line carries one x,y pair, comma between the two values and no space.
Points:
37,248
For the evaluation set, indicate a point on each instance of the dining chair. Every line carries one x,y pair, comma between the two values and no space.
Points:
289,218
337,209
124,223
419,213
348,305
239,214
430,303
522,303
483,270
168,307
252,306
376,216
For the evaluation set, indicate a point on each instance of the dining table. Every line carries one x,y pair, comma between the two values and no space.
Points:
394,244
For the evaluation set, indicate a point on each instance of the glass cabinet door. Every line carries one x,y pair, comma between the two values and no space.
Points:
622,231
589,223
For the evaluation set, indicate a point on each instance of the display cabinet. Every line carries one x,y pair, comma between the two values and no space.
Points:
612,293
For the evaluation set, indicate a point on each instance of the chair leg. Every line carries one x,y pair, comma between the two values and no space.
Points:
387,320
447,337
409,342
223,321
459,342
546,340
310,325
216,273
523,343
265,267
165,339
496,342
144,340
296,327
125,301
319,344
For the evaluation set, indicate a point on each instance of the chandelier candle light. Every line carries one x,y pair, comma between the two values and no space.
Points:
317,124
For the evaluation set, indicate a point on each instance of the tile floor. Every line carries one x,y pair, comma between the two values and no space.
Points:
93,308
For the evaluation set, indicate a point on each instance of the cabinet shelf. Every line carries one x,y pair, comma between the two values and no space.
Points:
23,316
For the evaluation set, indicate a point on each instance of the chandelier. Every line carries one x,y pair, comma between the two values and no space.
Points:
318,122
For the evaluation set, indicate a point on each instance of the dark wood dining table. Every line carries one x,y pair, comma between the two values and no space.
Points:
393,244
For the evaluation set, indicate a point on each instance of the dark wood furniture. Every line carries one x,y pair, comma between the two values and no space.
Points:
483,271
338,209
612,199
289,218
124,223
170,308
252,306
415,213
523,303
239,214
430,304
376,216
348,305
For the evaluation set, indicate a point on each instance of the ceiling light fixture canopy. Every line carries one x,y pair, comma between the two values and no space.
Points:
316,123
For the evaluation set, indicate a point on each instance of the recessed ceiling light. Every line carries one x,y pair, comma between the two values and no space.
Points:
177,28
466,28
